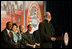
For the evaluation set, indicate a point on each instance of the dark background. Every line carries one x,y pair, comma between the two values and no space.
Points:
61,19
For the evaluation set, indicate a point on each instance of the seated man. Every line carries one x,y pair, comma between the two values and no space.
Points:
30,41
22,37
7,37
27,38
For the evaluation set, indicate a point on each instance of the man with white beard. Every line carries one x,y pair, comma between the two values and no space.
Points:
46,31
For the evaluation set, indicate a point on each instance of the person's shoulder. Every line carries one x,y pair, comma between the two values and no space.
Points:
4,30
24,35
42,22
25,32
34,32
11,32
50,23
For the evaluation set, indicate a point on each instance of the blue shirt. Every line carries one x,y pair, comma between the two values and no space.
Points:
17,37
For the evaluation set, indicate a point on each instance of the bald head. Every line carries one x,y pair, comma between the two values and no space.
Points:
21,27
48,16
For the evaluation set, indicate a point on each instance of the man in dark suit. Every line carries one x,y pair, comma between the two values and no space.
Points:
27,38
7,37
30,41
22,43
46,31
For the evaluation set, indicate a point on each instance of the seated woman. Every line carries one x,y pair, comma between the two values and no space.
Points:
15,35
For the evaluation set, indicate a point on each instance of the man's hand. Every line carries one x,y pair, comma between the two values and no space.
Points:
34,46
53,38
38,44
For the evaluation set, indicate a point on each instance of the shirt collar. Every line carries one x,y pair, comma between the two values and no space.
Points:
8,31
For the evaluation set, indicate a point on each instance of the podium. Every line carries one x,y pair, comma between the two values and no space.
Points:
60,38
64,38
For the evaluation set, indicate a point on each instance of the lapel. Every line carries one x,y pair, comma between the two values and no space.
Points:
12,35
6,33
28,36
46,25
27,33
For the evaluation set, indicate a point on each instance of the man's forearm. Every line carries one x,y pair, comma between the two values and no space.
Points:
33,46
29,45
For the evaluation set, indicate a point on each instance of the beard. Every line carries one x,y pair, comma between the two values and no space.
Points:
49,20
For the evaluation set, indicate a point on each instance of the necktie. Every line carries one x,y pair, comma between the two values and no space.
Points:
10,36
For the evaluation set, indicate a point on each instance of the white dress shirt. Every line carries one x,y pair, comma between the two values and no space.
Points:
8,31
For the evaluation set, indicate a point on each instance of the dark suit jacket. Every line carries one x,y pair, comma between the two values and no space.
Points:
27,38
36,36
6,40
23,41
30,38
46,31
